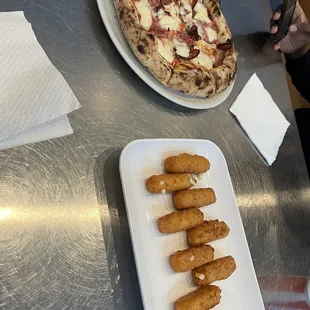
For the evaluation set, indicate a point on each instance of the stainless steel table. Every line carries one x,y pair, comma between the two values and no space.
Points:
64,238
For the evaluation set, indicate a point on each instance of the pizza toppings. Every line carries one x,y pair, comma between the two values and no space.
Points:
184,30
193,33
185,11
193,53
201,13
184,37
155,3
172,9
167,22
203,60
206,31
225,46
177,48
156,29
145,12
181,48
165,49
166,2
194,2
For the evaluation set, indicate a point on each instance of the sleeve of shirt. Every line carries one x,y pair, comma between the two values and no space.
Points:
299,70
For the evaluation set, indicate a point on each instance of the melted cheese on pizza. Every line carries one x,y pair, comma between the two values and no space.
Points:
181,48
203,60
168,22
172,9
165,49
185,11
203,29
207,33
145,12
206,56
212,35
172,23
202,13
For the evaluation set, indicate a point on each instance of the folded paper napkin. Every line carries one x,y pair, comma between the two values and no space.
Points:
34,96
260,118
54,128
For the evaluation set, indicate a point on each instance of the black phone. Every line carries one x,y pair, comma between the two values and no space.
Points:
287,12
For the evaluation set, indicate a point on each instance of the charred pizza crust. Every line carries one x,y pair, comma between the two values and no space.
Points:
186,78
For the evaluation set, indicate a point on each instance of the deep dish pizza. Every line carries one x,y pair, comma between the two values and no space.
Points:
185,44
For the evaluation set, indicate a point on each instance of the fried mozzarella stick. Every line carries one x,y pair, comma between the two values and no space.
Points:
206,232
191,258
181,220
166,183
205,297
216,270
194,198
187,163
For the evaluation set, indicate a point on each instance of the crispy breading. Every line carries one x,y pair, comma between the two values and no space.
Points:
205,297
191,258
181,220
206,232
194,198
187,163
216,270
165,183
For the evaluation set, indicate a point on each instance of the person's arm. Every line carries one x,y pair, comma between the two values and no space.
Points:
295,46
299,70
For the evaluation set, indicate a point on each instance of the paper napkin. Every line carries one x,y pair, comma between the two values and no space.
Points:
260,118
55,128
34,96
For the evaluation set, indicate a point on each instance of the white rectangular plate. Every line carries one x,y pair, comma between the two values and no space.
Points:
160,286
110,20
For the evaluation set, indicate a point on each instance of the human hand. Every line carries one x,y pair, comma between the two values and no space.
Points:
296,41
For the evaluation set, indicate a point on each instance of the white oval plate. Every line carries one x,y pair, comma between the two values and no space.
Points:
111,22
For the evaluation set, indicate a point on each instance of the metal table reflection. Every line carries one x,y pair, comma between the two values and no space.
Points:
64,238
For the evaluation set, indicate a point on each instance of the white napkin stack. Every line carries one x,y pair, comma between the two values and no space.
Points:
260,118
34,97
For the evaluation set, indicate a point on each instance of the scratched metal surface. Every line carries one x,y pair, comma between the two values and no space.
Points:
64,238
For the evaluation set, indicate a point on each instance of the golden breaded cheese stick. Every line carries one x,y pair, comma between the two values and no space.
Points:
205,297
191,258
181,220
216,270
166,183
194,198
206,232
187,163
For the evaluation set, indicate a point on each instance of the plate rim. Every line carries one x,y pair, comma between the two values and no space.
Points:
161,89
132,236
